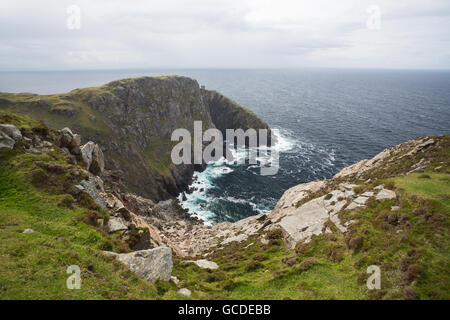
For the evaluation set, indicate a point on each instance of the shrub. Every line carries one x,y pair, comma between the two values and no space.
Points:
414,272
289,261
86,201
259,257
253,265
66,201
308,263
328,196
90,217
355,243
410,293
275,234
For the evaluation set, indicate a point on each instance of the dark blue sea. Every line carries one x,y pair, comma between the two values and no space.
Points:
327,119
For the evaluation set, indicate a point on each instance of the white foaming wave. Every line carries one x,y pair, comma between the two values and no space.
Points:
254,206
197,201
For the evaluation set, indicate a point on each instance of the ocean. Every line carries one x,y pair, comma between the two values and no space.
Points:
327,119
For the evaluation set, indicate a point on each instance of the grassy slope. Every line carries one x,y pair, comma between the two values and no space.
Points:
33,265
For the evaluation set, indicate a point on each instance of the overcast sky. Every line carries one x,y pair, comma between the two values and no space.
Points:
42,35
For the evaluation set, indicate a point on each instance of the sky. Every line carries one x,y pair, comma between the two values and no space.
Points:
111,34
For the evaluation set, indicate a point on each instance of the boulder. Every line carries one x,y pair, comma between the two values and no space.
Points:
5,141
206,264
28,231
98,160
93,157
86,153
116,224
66,137
12,131
386,194
151,265
94,188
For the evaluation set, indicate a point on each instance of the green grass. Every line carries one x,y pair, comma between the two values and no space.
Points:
33,265
431,185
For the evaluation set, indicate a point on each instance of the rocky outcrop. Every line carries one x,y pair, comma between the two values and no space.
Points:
150,265
132,120
11,131
6,142
93,157
227,114
9,135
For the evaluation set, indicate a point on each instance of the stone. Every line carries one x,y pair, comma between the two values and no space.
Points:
66,137
77,189
386,194
47,144
206,264
28,231
6,142
305,221
94,187
34,151
12,131
116,224
98,160
239,238
75,142
395,208
174,280
185,292
150,265
86,153
93,157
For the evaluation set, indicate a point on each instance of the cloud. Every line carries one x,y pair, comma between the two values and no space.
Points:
223,34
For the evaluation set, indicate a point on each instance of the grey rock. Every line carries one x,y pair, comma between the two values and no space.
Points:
175,280
386,194
6,142
34,151
206,264
28,231
116,224
77,189
185,292
93,157
86,153
151,265
47,144
66,137
98,160
12,131
94,188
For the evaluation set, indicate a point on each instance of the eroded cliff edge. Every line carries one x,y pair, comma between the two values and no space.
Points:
132,120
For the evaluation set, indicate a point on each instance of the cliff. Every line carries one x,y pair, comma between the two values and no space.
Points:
132,120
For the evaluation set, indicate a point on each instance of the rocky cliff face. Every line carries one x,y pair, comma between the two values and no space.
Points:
133,119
